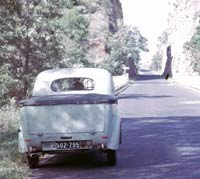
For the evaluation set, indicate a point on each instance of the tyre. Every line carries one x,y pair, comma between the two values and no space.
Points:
33,161
111,156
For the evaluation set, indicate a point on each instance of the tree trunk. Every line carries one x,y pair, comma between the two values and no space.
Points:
168,66
132,68
26,66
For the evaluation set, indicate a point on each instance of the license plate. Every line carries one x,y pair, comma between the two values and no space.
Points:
66,145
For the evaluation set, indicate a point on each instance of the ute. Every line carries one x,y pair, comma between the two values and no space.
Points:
72,109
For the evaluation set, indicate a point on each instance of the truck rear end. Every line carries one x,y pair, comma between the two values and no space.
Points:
66,122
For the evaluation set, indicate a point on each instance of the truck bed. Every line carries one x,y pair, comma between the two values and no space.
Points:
66,114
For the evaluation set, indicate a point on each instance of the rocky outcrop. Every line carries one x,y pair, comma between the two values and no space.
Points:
184,16
105,19
98,28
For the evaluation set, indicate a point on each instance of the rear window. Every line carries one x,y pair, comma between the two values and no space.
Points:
68,84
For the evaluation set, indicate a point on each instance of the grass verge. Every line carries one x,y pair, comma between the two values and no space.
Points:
12,165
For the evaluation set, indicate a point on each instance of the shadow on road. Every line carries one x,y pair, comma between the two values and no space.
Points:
148,77
137,96
152,148
82,160
164,147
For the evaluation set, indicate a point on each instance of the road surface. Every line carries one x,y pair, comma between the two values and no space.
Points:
160,138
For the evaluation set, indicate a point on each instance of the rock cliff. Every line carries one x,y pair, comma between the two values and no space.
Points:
184,16
105,19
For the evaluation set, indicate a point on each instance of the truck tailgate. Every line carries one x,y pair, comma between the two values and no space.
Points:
68,118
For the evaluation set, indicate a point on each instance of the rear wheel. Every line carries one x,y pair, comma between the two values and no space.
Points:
33,161
111,156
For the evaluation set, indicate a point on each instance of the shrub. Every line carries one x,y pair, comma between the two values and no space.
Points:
193,47
124,47
11,161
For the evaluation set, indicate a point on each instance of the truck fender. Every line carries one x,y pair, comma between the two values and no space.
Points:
22,147
114,139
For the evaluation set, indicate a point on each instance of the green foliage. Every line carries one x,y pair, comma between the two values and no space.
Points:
125,45
43,34
163,38
194,43
76,30
89,6
37,35
26,39
157,61
8,85
193,47
9,117
11,162
106,5
75,24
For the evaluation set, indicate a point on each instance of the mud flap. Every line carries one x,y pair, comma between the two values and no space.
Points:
21,143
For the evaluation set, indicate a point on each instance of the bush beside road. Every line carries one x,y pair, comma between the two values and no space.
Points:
12,164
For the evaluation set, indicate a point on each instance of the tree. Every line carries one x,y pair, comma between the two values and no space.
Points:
37,35
193,47
163,38
157,61
76,27
124,47
8,85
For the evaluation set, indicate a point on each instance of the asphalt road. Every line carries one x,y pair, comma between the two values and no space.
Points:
160,138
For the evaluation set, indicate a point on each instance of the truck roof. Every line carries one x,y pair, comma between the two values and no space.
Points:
102,78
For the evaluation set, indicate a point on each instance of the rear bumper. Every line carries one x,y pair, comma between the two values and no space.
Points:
46,144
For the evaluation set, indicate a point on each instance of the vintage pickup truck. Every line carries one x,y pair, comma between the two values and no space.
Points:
71,109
